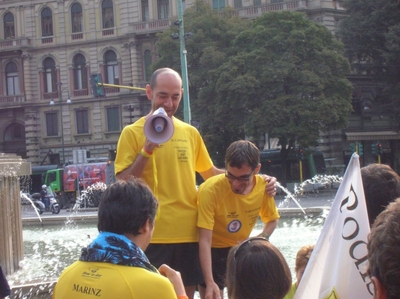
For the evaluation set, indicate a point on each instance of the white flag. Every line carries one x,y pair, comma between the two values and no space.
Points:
337,268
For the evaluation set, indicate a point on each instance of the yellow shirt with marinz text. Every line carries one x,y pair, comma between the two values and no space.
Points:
232,216
90,280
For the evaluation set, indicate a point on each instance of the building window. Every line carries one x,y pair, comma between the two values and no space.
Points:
145,10
108,14
218,4
14,132
238,3
113,120
52,124
47,22
111,67
80,72
163,9
82,121
76,18
147,64
12,79
50,75
8,21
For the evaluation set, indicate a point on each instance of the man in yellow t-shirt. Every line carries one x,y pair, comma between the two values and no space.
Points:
170,171
229,206
114,264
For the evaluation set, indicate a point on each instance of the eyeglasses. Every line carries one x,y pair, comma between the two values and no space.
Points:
247,242
243,178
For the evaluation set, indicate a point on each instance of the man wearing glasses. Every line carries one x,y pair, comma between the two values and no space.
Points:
229,206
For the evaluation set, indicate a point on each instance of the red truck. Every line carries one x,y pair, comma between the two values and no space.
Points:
67,181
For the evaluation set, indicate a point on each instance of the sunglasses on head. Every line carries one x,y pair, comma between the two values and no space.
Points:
249,240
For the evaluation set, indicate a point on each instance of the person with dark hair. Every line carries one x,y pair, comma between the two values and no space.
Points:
384,253
229,206
257,269
4,286
170,171
302,258
381,186
114,264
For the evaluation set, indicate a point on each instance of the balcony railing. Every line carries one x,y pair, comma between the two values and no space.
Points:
15,43
12,99
47,40
81,92
108,31
109,90
75,36
254,11
50,95
150,26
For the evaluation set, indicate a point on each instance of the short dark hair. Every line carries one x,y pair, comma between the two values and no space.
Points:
125,206
384,249
242,152
154,76
381,186
257,270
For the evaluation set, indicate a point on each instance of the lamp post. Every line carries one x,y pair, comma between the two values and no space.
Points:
186,101
60,90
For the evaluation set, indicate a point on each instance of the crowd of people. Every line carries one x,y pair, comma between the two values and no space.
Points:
201,237
161,237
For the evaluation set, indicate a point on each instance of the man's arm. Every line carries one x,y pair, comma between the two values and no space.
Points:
212,289
211,172
268,229
137,167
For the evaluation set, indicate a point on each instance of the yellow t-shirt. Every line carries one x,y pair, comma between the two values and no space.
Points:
292,291
232,216
174,166
90,280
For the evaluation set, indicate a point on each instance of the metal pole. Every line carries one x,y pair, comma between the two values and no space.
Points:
185,84
62,124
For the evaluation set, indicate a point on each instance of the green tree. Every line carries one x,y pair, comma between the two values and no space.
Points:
287,78
371,35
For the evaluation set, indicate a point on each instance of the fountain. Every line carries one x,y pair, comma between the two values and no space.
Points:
11,168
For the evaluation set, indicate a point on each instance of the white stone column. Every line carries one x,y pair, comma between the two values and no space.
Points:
11,246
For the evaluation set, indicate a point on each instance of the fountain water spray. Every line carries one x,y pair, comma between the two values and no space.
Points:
28,198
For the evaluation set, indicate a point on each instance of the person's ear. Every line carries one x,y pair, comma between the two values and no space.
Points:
149,92
257,169
379,290
146,227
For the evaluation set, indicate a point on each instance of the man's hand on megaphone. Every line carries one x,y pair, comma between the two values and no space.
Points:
148,149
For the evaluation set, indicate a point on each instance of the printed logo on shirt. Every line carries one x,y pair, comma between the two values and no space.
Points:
92,273
234,226
232,215
87,290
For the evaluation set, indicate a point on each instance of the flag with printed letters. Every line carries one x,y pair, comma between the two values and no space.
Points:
337,268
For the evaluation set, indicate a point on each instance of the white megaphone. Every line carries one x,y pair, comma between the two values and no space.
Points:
159,128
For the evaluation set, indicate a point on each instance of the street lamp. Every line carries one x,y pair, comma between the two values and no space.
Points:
60,90
183,52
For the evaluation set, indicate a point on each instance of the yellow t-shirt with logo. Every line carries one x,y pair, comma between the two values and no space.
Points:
90,280
232,216
171,175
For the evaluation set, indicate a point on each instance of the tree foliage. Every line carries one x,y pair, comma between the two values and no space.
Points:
281,73
371,35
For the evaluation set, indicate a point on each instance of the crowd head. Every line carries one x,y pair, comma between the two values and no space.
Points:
257,269
384,253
